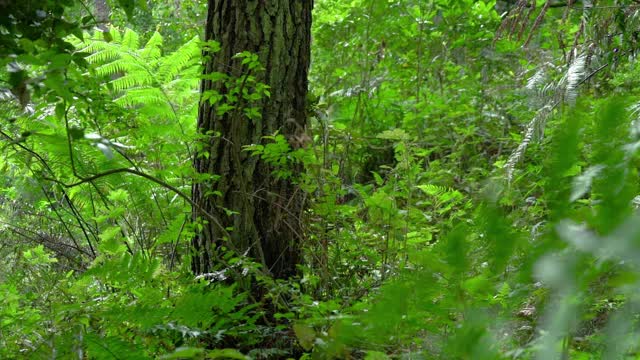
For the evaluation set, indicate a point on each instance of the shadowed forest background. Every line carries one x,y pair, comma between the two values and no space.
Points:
328,179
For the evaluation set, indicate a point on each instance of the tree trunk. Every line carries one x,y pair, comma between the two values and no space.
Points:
266,218
102,14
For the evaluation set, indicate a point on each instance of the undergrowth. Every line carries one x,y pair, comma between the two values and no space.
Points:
447,218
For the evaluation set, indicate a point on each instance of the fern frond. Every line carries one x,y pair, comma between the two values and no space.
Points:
179,60
539,88
161,113
145,80
183,83
553,93
153,49
142,96
101,52
115,35
131,40
433,189
535,126
111,68
110,348
536,80
575,74
183,90
132,79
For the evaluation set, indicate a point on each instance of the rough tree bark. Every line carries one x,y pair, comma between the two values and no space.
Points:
266,220
102,14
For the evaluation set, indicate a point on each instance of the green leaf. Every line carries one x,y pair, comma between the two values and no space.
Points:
378,178
184,353
111,241
38,255
305,334
477,285
128,6
60,110
111,348
106,35
395,134
376,355
118,196
75,132
456,249
226,354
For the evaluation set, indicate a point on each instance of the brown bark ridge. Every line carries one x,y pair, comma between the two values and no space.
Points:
266,220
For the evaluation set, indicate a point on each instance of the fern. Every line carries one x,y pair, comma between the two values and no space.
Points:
111,348
131,39
143,80
536,80
550,95
434,190
575,74
183,59
534,127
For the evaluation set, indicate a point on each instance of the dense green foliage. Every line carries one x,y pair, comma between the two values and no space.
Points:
471,168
